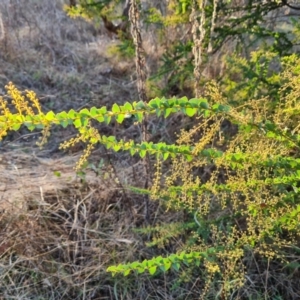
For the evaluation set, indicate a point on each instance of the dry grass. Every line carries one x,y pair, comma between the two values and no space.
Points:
59,234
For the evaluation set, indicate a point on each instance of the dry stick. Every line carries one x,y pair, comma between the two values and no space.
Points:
213,25
2,31
120,184
140,63
139,50
198,32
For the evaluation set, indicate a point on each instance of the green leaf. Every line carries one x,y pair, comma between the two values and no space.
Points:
116,148
145,263
94,112
166,155
29,125
223,108
50,116
64,123
207,113
167,112
72,113
215,107
18,118
140,270
128,107
182,102
111,269
120,118
139,117
135,265
115,108
62,115
132,151
107,119
127,272
140,105
100,119
152,270
142,153
167,264
190,111
176,266
84,121
77,123
204,105
16,126
84,112
154,103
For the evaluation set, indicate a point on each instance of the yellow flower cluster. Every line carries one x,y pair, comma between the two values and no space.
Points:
18,100
23,105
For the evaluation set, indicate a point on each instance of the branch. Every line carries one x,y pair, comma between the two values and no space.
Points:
284,2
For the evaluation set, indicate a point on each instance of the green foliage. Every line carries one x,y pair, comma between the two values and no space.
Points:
91,9
123,50
174,261
243,26
254,78
81,121
225,23
177,65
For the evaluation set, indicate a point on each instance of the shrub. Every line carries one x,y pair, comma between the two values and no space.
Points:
239,182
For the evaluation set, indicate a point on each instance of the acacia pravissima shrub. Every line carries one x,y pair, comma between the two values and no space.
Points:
237,171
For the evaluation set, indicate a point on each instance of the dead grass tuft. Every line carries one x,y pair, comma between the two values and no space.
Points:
59,234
